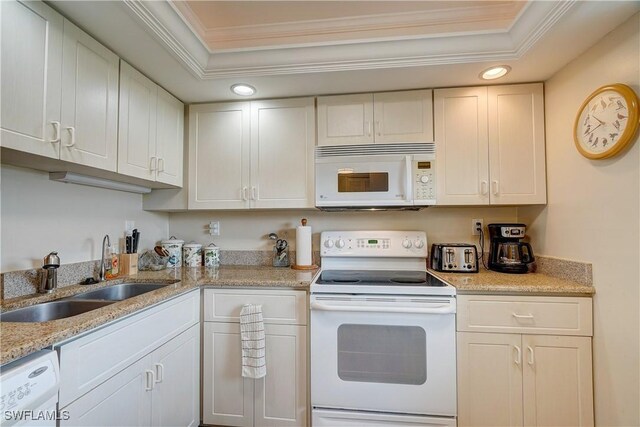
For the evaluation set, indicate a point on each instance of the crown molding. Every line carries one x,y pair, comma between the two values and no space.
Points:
166,22
391,26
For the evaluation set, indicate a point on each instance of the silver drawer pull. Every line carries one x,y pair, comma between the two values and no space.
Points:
523,316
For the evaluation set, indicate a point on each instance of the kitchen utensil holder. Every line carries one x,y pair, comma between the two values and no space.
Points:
128,264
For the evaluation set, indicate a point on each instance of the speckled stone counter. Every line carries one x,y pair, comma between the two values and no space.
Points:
19,339
492,282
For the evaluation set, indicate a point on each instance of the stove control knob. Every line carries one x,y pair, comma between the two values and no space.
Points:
328,243
339,243
418,243
406,244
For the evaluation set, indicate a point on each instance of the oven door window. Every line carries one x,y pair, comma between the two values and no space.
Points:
382,354
358,182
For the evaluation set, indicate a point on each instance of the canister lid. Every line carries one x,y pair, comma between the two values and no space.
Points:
211,246
172,241
193,245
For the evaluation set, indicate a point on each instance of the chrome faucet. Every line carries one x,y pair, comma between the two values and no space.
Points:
49,279
103,270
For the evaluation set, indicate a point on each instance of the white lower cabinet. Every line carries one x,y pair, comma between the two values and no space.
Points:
531,379
159,387
278,399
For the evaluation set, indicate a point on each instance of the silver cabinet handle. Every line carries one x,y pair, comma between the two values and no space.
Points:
523,316
149,380
254,193
56,130
245,196
160,164
72,134
367,124
496,187
531,357
379,128
153,163
484,187
159,374
518,355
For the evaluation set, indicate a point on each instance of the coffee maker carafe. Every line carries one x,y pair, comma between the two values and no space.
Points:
507,253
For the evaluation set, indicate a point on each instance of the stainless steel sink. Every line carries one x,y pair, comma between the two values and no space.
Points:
119,292
51,311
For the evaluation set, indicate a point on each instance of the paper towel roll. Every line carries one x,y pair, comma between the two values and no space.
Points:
303,244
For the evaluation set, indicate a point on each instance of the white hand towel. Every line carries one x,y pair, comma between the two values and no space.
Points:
253,346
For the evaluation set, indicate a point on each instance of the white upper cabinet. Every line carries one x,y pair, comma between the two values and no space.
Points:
31,58
219,144
151,130
380,118
169,138
89,101
405,116
345,119
251,154
490,145
137,124
517,144
462,146
282,144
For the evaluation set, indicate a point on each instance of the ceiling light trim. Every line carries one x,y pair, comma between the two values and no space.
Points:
532,23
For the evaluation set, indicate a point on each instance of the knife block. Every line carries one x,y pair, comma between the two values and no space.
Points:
128,264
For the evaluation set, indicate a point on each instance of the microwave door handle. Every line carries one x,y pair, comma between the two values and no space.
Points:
441,309
408,190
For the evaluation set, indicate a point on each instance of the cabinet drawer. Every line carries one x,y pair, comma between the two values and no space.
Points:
530,315
287,307
94,358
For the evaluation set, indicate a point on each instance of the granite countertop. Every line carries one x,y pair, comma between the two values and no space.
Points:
493,282
17,339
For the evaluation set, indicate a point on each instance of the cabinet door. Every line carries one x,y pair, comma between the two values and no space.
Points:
516,144
345,119
405,116
31,61
558,386
462,153
282,144
89,101
123,400
137,124
219,144
176,393
227,397
489,379
169,138
281,396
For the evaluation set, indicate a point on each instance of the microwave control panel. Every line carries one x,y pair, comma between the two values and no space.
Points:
424,181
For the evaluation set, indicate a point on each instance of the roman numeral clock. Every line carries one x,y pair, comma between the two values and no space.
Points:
606,122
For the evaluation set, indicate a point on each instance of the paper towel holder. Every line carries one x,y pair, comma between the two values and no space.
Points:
305,267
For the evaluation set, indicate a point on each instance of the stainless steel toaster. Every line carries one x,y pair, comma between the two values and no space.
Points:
454,257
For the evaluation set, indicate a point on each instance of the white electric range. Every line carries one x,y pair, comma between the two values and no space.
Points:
383,343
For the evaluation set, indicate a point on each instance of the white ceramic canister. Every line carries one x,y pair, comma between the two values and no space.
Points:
211,255
174,247
192,254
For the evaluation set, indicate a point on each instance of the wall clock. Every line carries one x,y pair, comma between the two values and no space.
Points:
606,122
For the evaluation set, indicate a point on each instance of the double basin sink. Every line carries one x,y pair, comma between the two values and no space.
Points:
80,303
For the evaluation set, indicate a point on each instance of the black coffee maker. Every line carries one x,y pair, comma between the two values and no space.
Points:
507,253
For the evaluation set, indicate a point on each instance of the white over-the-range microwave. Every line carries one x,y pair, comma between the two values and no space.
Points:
378,176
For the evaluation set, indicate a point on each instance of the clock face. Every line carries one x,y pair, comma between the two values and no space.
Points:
602,122
607,121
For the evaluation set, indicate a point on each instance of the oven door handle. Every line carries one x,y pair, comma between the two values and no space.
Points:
441,309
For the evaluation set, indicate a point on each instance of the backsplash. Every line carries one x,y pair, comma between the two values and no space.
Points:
24,282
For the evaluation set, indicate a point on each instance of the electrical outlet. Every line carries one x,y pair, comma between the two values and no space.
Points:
214,228
476,226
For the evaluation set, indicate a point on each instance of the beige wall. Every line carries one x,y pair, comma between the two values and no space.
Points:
593,215
39,216
249,230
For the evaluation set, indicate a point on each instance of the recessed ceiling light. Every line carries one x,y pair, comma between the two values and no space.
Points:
243,89
495,72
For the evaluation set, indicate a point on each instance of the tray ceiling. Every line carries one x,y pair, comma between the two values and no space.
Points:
197,49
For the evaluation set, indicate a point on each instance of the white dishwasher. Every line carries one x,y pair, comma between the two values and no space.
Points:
29,390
